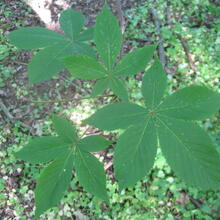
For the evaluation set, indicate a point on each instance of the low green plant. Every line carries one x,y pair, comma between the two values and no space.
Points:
165,122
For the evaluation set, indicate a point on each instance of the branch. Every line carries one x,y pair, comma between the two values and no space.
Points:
161,42
68,100
120,15
187,52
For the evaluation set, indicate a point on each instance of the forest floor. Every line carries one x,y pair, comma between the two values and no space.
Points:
22,114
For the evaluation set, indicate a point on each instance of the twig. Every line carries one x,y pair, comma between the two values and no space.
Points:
120,15
187,52
6,111
67,100
161,42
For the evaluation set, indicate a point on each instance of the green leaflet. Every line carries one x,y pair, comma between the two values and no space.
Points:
46,63
86,35
64,129
28,38
43,149
153,85
135,153
191,103
84,49
135,61
100,86
117,115
190,152
108,37
72,22
53,182
93,143
118,87
84,67
187,148
90,173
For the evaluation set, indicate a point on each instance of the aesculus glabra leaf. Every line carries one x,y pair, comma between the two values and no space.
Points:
187,147
108,39
65,152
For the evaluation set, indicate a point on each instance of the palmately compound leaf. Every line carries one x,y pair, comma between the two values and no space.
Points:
64,152
93,143
191,103
190,152
84,67
46,63
90,173
153,85
117,116
187,148
28,38
64,129
43,149
135,153
135,61
53,182
72,22
108,37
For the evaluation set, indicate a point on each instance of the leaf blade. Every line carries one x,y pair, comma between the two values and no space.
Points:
135,61
86,35
84,67
35,37
64,129
119,89
100,86
108,37
45,64
191,103
117,115
52,183
153,85
135,153
72,22
91,175
93,143
43,149
190,152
